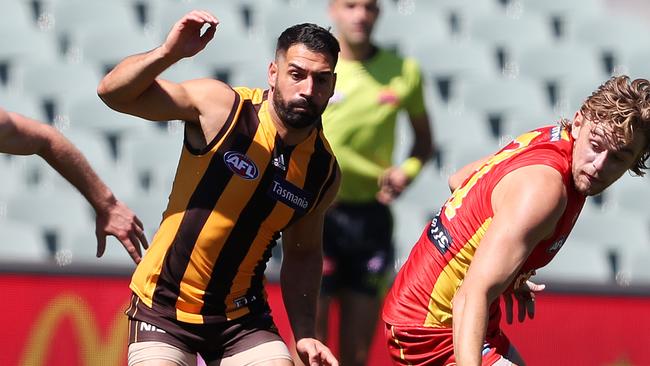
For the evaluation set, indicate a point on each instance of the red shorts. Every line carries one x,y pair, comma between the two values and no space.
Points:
423,346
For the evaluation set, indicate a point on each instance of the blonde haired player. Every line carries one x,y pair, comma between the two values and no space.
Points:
509,214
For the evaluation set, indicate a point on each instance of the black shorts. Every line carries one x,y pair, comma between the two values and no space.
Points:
358,247
212,341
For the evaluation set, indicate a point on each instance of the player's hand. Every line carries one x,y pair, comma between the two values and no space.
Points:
313,353
391,184
525,296
119,221
185,39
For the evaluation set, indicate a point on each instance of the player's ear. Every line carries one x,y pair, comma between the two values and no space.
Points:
578,121
273,74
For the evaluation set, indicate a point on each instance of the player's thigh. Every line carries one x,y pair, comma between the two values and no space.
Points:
274,353
158,354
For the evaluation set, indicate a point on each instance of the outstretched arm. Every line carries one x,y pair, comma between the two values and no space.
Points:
23,136
302,267
521,220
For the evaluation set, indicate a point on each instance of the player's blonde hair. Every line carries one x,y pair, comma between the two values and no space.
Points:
625,107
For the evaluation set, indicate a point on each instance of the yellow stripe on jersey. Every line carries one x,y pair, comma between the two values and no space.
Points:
456,200
450,279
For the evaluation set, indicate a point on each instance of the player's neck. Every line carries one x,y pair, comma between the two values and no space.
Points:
357,52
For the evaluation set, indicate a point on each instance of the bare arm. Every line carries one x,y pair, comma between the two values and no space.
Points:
133,86
23,136
301,275
521,220
394,180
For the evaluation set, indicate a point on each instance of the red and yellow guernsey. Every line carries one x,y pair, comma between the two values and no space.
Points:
425,286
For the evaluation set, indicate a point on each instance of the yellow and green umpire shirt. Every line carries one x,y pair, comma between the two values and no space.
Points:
359,121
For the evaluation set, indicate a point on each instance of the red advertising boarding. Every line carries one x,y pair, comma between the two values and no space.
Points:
78,320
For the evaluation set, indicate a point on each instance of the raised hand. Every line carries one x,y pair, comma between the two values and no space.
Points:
185,38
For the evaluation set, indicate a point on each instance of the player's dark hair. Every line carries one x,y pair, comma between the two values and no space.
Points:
314,37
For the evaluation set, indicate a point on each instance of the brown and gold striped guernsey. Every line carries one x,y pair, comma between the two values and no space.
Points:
227,207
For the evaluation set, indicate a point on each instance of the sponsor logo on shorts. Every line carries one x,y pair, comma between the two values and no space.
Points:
241,165
438,235
146,327
289,194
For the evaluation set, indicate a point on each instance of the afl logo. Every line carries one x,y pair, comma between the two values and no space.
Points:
241,165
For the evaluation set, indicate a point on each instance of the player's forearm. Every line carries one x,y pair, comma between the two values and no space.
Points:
133,76
300,279
470,314
68,161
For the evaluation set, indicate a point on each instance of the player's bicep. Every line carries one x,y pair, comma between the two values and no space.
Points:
164,100
527,205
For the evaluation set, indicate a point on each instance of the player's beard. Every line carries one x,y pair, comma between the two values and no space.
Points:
294,119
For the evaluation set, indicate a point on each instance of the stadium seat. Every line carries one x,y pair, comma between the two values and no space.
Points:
187,69
273,20
252,74
68,17
564,13
505,33
462,135
635,268
516,124
24,104
55,213
165,13
627,196
449,62
612,230
612,36
408,223
153,157
11,182
456,14
104,46
573,93
19,46
405,31
54,82
636,63
17,14
499,97
88,113
557,64
21,243
149,208
82,247
578,262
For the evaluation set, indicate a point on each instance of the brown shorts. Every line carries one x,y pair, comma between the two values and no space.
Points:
212,341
